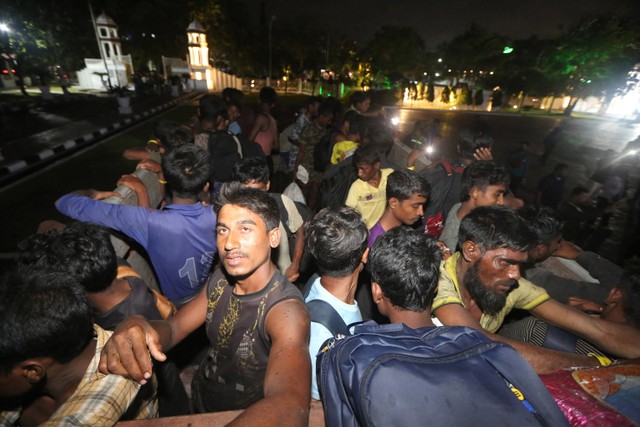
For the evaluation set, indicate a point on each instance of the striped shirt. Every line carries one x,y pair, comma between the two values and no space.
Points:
99,400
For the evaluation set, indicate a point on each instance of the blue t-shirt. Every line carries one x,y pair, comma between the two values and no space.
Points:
350,313
180,239
234,128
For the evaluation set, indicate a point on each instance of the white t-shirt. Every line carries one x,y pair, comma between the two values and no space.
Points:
350,313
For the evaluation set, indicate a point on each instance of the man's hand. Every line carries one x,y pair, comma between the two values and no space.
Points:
585,305
127,351
446,252
97,195
292,273
483,153
567,250
413,156
132,182
150,165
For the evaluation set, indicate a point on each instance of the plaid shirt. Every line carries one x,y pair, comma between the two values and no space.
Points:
100,400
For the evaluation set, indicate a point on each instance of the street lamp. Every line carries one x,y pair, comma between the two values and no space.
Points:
273,18
4,28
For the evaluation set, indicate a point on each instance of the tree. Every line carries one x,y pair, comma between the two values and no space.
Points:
472,51
397,52
46,35
593,57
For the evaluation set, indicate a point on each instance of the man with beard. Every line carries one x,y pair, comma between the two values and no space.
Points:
481,284
255,320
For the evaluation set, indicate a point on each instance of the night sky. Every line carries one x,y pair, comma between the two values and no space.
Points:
441,20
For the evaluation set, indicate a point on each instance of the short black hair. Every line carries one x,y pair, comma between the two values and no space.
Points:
250,169
402,185
356,124
230,95
366,155
187,169
177,137
493,227
42,314
268,95
310,100
470,140
359,96
258,202
630,287
211,107
326,109
337,239
481,174
405,264
82,249
163,127
544,222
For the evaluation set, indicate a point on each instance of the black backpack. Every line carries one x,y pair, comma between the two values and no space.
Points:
445,180
335,188
322,153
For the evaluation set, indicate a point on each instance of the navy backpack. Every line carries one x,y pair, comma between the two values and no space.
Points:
392,375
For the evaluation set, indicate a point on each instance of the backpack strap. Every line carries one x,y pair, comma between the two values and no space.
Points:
238,145
447,167
559,339
284,214
323,313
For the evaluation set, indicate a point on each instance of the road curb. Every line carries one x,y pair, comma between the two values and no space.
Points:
16,167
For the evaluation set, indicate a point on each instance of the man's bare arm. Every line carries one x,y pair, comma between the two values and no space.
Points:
619,340
293,272
137,186
129,350
287,383
542,360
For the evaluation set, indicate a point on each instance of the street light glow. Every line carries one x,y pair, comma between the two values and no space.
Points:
4,27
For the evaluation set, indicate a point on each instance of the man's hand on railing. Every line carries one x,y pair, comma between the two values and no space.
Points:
150,165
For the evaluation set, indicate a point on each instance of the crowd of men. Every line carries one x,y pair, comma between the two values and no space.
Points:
255,229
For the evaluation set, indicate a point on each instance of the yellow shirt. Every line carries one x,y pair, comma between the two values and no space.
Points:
341,148
526,296
369,200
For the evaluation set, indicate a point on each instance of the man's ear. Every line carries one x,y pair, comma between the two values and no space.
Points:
393,202
377,293
34,370
474,193
615,296
365,256
268,185
470,251
274,237
206,188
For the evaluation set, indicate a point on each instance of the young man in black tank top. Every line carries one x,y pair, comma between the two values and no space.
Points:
256,321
